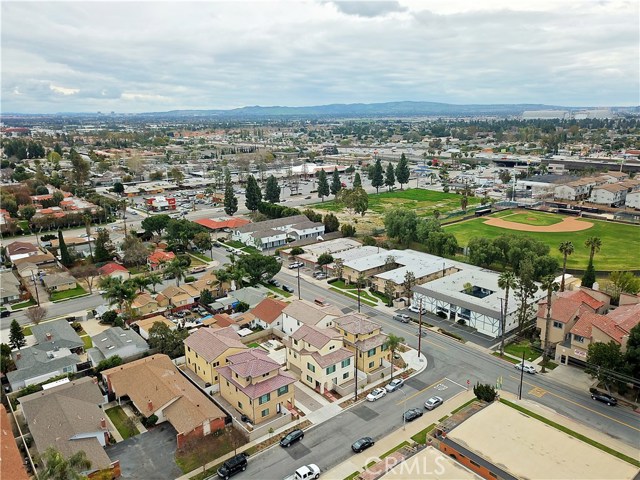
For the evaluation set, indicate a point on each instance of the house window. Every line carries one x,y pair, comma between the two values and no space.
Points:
557,324
309,379
331,369
578,338
227,383
345,375
264,398
283,390
216,364
371,352
384,347
371,364
311,368
295,355
295,342
332,347
188,349
265,412
346,363
239,404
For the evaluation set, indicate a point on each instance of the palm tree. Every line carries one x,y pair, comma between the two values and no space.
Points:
594,243
549,286
392,343
176,269
118,292
566,248
141,282
154,279
87,223
59,468
507,281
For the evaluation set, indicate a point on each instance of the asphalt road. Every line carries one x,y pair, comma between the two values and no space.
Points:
451,364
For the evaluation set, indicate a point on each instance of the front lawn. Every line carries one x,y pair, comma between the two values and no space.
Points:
66,294
277,290
516,349
208,449
200,256
26,331
86,339
354,296
122,422
28,303
421,436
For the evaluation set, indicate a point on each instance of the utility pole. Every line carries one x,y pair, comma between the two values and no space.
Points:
420,330
358,280
501,326
355,366
298,283
521,378
35,286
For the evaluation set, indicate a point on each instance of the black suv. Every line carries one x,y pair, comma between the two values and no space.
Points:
232,466
291,438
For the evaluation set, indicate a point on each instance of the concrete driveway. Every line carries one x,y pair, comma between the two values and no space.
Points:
148,455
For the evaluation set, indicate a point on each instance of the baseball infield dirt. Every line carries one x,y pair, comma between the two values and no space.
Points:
569,224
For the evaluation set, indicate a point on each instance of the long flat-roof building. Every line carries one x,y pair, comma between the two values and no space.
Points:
472,295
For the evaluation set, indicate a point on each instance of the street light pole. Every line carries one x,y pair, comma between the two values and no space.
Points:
404,408
355,366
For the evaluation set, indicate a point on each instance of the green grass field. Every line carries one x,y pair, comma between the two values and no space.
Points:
620,242
423,202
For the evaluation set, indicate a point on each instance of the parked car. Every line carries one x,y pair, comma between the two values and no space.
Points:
320,276
291,438
306,472
235,464
604,398
274,282
401,317
308,197
295,265
416,309
5,313
287,288
526,367
411,414
433,402
362,444
394,385
375,394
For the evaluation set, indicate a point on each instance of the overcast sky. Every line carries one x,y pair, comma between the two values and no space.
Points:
156,56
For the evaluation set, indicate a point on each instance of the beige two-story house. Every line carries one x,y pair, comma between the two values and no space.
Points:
255,386
319,358
207,349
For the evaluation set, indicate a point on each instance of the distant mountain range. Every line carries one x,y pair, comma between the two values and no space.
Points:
352,110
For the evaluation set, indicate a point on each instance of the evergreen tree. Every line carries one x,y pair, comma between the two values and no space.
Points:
390,177
272,191
402,171
16,335
377,179
103,249
253,196
323,185
230,200
357,181
65,258
336,184
589,277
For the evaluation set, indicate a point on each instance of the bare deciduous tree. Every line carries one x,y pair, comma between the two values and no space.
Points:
36,314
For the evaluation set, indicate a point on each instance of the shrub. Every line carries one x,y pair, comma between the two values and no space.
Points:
149,421
189,279
461,322
485,392
76,326
348,230
297,251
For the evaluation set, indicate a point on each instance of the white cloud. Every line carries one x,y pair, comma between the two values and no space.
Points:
166,55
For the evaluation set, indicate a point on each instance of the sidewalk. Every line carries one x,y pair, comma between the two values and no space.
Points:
357,462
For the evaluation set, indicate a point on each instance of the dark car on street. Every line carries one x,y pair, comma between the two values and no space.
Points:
291,438
411,414
362,444
235,464
287,288
604,398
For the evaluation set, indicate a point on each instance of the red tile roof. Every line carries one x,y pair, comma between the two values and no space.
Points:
220,224
269,309
111,267
582,296
564,309
160,256
616,324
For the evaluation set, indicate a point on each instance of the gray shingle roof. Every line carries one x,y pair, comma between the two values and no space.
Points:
34,363
111,340
61,335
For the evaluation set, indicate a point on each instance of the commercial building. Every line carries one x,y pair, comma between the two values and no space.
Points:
471,295
160,203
